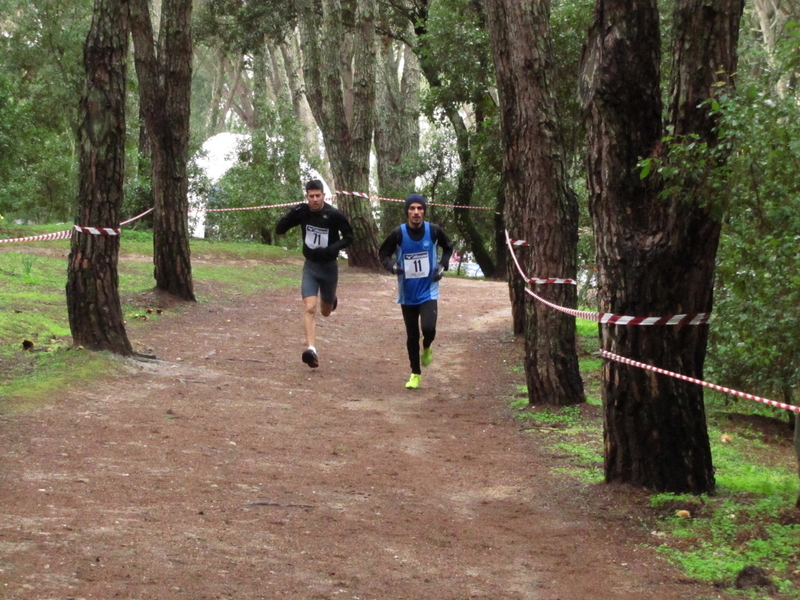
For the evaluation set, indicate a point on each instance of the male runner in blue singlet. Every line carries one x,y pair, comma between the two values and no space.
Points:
411,253
325,231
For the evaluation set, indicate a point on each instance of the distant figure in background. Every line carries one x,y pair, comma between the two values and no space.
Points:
325,231
411,253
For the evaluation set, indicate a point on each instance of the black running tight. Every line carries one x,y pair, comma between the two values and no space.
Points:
415,317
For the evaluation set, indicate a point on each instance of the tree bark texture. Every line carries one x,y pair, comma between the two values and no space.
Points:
539,206
93,303
164,91
655,254
342,100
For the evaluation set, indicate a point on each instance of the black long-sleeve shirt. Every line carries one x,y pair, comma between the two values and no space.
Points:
328,220
390,244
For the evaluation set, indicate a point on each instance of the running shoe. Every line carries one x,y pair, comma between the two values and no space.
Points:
310,358
335,303
427,356
413,381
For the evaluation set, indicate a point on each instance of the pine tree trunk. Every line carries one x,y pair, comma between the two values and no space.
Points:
93,303
655,254
540,208
164,90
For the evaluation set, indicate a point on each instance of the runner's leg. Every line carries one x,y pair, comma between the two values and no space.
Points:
309,288
429,313
328,281
411,320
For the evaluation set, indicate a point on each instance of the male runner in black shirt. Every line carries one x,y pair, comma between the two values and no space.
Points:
325,231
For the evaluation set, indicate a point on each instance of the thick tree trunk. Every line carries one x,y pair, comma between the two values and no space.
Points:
540,207
93,303
655,254
342,100
164,90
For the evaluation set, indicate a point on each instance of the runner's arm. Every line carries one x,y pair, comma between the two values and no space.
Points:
387,249
291,219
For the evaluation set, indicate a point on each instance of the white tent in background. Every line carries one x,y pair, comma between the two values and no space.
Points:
217,155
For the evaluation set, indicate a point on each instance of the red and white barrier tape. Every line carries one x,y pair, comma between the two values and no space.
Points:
250,207
372,197
511,243
612,319
713,386
132,219
552,280
97,230
606,318
59,235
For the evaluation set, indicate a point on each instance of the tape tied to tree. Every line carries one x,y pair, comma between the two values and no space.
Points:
604,318
713,386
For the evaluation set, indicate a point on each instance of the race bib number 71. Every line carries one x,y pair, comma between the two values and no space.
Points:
417,265
316,237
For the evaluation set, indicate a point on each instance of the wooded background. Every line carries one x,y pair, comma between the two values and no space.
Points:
648,150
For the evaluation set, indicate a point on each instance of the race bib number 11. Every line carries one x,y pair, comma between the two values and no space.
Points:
417,265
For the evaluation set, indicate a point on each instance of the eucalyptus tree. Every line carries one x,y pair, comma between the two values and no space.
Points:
656,241
540,207
449,40
93,303
252,53
164,71
775,18
339,63
397,131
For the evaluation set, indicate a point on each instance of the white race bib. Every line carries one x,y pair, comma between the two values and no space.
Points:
417,265
316,237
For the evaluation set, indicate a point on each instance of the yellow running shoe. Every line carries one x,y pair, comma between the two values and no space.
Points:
413,381
427,356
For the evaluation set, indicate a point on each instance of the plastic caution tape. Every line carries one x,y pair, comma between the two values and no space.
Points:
713,386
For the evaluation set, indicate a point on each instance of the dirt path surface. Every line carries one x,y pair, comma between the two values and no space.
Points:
232,470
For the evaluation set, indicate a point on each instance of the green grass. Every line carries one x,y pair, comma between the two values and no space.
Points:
33,300
42,375
750,520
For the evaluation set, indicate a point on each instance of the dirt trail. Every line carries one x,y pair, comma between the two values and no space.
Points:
231,470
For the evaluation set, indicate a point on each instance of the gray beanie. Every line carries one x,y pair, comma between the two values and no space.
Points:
416,198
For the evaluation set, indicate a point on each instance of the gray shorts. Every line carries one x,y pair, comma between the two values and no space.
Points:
320,278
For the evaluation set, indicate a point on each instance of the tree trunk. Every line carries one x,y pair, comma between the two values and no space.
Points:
396,129
655,254
541,209
310,136
93,303
344,112
164,91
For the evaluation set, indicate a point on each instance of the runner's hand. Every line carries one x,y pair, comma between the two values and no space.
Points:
438,273
396,270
